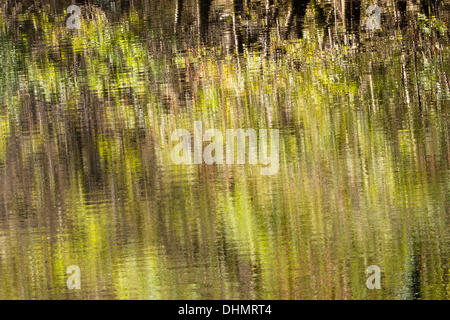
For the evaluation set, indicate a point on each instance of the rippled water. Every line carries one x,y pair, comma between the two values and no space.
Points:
86,176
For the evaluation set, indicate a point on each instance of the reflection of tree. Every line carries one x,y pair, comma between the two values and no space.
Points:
178,12
251,23
203,7
84,170
248,18
296,14
430,7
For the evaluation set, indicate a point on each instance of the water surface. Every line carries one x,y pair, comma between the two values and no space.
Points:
86,176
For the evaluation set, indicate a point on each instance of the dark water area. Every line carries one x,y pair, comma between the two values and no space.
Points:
87,178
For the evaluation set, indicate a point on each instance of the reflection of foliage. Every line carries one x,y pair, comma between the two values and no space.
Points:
86,118
427,25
